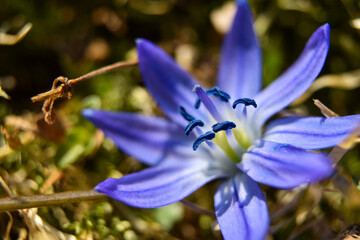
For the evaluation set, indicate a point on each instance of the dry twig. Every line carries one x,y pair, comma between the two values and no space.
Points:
16,203
65,88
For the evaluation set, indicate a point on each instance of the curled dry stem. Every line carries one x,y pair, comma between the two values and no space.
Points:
62,87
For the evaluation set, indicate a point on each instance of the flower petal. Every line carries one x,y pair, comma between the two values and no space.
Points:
284,166
160,185
241,209
170,86
240,64
292,83
151,140
311,132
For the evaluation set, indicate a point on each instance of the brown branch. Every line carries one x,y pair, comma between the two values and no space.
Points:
16,203
65,88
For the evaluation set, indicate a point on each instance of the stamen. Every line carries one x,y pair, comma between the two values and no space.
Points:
205,137
245,101
192,125
207,102
197,103
223,126
185,114
217,92
244,117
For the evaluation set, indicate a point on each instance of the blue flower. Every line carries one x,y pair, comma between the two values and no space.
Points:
218,133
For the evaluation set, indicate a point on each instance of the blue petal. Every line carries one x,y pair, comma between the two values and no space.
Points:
170,86
241,209
311,132
284,166
294,82
161,185
240,68
151,140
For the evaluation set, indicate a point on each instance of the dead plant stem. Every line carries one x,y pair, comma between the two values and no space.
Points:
16,203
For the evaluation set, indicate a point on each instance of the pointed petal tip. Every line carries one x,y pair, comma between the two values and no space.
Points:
320,37
88,113
326,30
139,41
96,188
322,34
325,167
101,187
143,44
295,80
241,2
240,69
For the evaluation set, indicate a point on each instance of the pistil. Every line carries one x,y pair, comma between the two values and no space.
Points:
208,103
221,140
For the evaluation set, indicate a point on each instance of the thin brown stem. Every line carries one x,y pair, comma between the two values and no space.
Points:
65,87
103,70
16,203
57,90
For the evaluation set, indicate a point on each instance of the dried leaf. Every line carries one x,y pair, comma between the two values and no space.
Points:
12,139
54,132
327,112
4,94
9,39
355,23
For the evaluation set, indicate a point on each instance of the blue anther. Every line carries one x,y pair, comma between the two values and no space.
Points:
185,114
223,96
197,103
245,101
205,137
223,126
192,125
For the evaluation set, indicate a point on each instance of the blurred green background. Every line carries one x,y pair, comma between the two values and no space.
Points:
71,38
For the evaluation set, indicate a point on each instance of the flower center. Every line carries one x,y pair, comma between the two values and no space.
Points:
223,127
